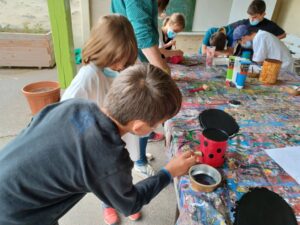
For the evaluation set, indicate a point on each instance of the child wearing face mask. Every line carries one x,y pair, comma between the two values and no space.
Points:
171,26
256,13
111,48
265,46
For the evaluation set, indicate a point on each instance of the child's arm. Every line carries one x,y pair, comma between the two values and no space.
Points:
170,53
118,191
170,43
282,36
154,57
180,165
203,49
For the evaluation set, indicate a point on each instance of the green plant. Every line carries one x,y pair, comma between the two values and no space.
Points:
35,29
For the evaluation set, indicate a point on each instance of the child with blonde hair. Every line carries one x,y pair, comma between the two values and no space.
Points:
171,26
111,48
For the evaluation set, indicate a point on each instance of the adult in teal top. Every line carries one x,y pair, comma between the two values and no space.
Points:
143,16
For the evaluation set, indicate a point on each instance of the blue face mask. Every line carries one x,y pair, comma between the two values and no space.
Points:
170,33
254,22
248,44
108,72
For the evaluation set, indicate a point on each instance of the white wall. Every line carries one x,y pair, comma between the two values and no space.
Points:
211,13
99,8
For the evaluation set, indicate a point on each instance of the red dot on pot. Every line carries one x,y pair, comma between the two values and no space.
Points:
205,143
211,156
219,150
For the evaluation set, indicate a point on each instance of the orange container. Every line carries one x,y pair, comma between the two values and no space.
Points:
40,94
270,71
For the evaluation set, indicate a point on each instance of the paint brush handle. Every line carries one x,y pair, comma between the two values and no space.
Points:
196,90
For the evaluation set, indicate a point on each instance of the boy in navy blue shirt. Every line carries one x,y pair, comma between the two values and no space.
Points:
72,148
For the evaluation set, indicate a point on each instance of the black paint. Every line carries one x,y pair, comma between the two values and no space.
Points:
263,207
234,102
215,135
204,179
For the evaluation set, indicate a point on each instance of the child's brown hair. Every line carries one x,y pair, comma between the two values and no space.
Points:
256,7
112,41
218,39
143,92
175,18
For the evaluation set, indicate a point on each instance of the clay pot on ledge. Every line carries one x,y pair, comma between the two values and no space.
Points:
41,94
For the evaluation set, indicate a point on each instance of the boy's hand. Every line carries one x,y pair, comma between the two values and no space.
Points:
180,165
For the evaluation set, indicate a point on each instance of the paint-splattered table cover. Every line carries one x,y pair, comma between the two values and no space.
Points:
268,118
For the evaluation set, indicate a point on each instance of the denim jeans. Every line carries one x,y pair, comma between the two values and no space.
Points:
143,145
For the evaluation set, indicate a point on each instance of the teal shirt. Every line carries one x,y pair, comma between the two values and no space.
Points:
142,14
212,30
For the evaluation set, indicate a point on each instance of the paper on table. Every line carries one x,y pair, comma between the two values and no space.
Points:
289,160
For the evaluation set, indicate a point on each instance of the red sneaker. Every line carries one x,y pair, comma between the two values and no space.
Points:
110,216
156,137
135,216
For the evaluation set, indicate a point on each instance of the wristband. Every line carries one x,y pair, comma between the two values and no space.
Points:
165,171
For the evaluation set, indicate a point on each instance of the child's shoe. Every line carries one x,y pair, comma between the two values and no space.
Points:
135,216
110,216
149,156
154,137
144,171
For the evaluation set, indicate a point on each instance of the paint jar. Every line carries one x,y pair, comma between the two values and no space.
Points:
270,71
240,80
204,178
213,145
210,52
242,74
230,68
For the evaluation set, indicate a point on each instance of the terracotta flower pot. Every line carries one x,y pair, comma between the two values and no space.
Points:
40,94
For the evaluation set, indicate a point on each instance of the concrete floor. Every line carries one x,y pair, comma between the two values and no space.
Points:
15,115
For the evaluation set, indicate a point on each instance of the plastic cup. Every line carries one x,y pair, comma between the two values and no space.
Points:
210,52
240,80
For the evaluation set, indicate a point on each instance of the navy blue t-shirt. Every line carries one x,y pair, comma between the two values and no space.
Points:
265,24
69,149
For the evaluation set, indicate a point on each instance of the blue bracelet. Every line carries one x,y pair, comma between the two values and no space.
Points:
167,173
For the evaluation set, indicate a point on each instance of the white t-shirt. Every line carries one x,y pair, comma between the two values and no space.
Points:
268,46
91,83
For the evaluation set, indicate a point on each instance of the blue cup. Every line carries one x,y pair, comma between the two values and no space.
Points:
240,80
246,54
